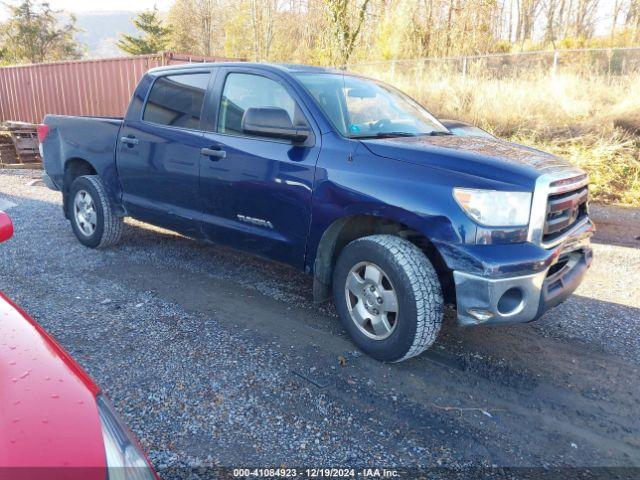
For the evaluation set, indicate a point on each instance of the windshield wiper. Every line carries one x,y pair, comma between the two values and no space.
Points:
434,133
386,135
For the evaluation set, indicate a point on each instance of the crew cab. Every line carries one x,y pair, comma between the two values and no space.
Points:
55,422
341,176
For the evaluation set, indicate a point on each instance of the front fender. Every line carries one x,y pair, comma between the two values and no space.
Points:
362,184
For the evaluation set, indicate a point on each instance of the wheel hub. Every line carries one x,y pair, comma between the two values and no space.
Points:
84,213
372,300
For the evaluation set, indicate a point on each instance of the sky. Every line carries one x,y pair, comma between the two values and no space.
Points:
77,6
109,5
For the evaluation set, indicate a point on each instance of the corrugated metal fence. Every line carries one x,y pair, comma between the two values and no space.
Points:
85,87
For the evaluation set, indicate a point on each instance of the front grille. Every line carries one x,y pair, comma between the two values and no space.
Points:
564,210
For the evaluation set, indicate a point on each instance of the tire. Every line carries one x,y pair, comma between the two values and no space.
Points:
101,226
405,271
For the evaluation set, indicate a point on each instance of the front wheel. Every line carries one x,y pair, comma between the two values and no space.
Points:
93,220
388,297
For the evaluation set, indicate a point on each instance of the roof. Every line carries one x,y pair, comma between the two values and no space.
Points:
290,68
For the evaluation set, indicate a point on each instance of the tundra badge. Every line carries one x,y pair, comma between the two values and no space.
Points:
255,221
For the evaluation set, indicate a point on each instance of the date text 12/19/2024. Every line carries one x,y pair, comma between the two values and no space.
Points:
314,473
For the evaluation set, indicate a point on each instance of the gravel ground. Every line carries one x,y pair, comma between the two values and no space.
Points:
215,357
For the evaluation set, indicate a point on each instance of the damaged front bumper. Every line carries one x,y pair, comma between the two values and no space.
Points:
486,300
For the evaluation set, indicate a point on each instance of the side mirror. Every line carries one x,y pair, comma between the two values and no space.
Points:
6,227
273,123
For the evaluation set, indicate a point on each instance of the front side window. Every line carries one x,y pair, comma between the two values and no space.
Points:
176,100
363,108
243,91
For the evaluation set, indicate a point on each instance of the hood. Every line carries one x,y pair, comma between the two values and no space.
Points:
478,156
48,412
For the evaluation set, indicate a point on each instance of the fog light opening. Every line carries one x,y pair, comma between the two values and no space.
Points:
511,301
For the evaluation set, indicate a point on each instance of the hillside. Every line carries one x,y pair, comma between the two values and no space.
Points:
101,30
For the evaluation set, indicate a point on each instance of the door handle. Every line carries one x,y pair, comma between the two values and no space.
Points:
131,141
214,153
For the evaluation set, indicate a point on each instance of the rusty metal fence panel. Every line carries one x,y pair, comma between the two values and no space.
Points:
85,87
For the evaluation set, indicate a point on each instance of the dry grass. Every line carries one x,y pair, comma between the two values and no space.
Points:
570,115
612,160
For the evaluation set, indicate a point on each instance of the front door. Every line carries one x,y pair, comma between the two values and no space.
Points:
256,191
158,155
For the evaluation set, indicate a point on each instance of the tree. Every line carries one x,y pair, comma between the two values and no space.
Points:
263,15
154,39
632,19
181,19
34,33
346,19
196,26
235,36
549,28
528,11
585,18
339,32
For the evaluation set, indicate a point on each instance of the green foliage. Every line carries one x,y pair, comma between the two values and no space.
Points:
155,37
237,36
339,32
572,42
346,18
186,34
34,33
611,159
501,46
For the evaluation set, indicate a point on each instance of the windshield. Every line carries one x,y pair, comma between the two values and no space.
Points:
363,108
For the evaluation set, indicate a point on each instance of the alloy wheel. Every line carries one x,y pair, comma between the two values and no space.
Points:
372,300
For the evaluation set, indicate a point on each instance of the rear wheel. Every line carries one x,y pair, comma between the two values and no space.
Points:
92,218
388,296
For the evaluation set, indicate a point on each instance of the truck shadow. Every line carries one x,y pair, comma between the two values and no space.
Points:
459,347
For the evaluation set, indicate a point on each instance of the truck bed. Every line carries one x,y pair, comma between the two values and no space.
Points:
81,137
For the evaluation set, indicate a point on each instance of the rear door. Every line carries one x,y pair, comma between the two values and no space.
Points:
159,152
256,193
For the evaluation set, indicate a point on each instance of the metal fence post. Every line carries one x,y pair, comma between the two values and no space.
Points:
464,69
554,68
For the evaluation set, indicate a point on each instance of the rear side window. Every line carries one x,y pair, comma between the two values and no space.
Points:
243,91
176,100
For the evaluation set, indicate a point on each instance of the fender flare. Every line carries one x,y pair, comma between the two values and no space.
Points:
381,221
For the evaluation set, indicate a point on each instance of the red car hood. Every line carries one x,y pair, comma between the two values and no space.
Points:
48,412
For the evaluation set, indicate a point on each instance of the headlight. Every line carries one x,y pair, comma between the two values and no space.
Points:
493,208
125,460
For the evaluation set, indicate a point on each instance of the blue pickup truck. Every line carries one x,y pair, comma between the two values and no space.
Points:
344,177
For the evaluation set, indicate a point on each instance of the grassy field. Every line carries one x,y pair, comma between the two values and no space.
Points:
571,115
